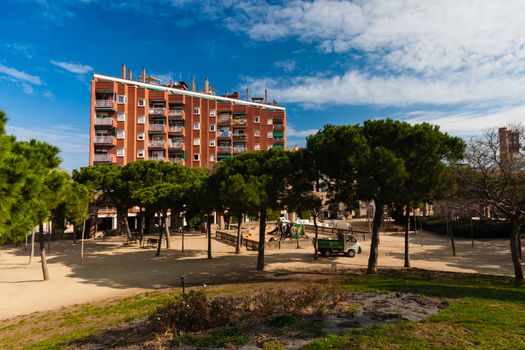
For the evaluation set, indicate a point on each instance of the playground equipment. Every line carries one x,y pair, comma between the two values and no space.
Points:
286,229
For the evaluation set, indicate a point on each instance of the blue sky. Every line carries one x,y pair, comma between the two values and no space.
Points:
460,65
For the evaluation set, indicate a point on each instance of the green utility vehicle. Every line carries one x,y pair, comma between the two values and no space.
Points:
346,244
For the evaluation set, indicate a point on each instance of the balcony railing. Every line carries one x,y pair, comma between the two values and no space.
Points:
224,119
177,160
239,122
225,134
156,110
103,158
176,144
176,129
176,113
156,143
157,158
224,149
104,103
104,139
239,136
239,149
156,127
104,121
279,140
278,127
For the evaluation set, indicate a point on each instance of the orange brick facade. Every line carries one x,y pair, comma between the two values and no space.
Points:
133,120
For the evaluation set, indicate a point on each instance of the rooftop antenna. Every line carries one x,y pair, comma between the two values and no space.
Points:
180,76
169,74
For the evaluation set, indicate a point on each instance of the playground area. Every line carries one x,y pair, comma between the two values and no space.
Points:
114,269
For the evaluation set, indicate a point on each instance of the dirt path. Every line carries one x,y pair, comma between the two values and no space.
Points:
112,269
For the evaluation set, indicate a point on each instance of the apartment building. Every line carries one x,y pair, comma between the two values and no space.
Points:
144,119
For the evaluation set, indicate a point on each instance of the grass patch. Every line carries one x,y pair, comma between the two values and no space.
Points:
484,312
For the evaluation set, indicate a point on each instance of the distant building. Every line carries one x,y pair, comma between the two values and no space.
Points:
143,119
509,144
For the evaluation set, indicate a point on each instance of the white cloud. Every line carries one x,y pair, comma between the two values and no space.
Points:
20,76
286,65
468,123
295,133
428,52
76,68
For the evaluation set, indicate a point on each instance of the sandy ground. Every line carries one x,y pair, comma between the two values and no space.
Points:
112,269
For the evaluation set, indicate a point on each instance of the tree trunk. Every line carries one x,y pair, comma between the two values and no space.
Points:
262,239
48,224
514,249
374,245
421,230
159,243
141,227
208,229
32,246
238,245
471,232
316,255
229,221
43,260
407,229
450,236
167,229
82,244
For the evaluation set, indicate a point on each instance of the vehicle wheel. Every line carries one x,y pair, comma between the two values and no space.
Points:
326,252
350,253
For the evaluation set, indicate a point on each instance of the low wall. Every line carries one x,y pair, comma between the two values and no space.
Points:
230,237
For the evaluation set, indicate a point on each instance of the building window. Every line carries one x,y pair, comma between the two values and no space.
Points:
196,141
256,133
197,110
121,117
122,99
257,147
121,134
121,151
270,134
142,102
212,143
212,157
196,157
270,121
141,136
140,153
196,126
212,127
213,113
141,119
256,119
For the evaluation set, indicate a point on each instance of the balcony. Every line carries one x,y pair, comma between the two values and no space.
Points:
176,144
239,136
278,140
105,140
224,119
224,149
104,104
224,134
104,158
156,127
156,111
278,127
176,129
176,113
157,158
239,122
156,143
177,160
237,150
105,122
